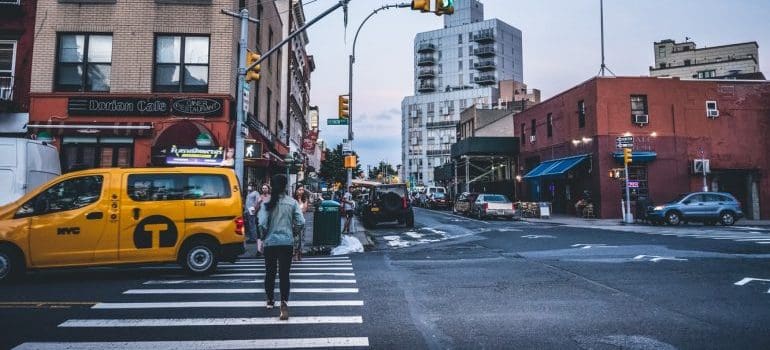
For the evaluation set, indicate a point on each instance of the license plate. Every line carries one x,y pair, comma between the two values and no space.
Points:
374,210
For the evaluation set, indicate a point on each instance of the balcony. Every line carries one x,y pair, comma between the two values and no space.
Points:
6,88
426,60
484,51
426,73
485,65
426,86
426,47
486,79
484,36
441,124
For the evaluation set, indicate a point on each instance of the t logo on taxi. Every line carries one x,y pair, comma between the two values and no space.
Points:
155,231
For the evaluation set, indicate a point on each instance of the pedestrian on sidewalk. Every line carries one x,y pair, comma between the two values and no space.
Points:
278,219
349,206
301,196
250,212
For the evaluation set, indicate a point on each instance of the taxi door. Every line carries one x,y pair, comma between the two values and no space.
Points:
151,217
69,221
211,205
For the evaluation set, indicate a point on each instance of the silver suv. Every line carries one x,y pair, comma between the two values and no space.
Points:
706,207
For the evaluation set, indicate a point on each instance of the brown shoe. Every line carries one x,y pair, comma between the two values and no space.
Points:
284,311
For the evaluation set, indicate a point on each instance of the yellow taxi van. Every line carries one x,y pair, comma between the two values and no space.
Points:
189,215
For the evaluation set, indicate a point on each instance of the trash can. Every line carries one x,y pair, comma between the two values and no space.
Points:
326,224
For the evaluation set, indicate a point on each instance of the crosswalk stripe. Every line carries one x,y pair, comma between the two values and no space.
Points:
255,261
303,259
234,268
347,274
204,344
188,322
222,304
245,281
234,291
292,264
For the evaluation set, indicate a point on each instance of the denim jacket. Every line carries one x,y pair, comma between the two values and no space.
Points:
284,217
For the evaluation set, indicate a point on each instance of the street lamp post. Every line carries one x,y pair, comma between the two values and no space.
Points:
289,161
352,60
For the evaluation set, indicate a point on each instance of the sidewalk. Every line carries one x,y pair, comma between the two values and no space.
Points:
356,230
576,221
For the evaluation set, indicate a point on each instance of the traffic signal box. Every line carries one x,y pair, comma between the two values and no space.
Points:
350,161
344,107
442,7
627,156
252,74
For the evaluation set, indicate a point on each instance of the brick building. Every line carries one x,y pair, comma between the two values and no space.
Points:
568,142
133,83
17,23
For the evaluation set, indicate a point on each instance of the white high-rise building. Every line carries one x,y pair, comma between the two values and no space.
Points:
454,68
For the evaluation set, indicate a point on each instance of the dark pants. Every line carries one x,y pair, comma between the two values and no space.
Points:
278,257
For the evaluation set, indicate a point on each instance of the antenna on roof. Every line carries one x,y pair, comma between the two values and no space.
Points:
601,14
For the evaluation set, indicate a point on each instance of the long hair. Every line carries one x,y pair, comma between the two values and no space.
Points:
277,191
299,197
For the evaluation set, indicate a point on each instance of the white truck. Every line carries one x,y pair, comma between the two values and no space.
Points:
24,165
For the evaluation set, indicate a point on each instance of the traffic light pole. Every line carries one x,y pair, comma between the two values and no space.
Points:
350,76
629,216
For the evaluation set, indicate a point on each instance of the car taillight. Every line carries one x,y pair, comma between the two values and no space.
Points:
513,207
404,203
485,206
239,226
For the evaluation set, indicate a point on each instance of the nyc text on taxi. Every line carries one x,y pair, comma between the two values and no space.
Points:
125,216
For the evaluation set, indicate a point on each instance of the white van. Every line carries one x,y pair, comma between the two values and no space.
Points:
24,165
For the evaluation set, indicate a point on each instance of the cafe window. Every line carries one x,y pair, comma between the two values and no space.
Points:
181,63
85,152
638,184
83,62
67,195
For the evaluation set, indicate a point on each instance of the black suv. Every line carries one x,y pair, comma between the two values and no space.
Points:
387,202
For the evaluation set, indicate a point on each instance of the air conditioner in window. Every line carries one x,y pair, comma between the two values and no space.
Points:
641,119
712,113
532,138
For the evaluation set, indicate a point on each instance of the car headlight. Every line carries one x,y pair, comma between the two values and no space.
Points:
660,207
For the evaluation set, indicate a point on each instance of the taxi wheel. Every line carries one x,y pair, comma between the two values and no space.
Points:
11,264
199,257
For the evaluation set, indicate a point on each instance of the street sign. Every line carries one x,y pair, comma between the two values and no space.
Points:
633,184
624,142
336,121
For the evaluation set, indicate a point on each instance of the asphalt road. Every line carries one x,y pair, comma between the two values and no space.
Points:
449,283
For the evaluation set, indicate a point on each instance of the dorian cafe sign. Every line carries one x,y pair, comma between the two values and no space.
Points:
152,106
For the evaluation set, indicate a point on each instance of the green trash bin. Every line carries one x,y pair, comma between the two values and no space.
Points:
326,224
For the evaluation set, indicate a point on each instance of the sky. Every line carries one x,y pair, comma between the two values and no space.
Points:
561,48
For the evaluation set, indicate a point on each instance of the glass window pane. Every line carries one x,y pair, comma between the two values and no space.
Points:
168,49
71,48
124,157
167,75
196,75
196,50
105,160
207,187
155,187
99,77
70,75
100,48
6,57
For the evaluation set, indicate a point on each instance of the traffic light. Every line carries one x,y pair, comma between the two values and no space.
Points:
627,156
252,74
444,7
350,161
344,107
422,5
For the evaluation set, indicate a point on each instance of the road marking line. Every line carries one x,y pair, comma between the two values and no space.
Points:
457,216
292,268
753,239
292,264
246,281
191,322
235,291
304,260
346,274
204,344
222,304
43,304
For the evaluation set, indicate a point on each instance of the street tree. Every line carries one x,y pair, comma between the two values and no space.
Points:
332,168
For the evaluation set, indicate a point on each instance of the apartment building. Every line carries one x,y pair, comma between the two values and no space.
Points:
17,24
685,60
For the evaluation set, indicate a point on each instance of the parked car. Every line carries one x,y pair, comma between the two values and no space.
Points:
439,200
493,205
464,203
387,202
706,207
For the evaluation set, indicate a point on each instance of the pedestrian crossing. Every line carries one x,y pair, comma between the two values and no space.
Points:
225,310
737,233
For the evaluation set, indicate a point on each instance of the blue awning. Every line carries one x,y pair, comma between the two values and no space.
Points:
555,167
636,157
